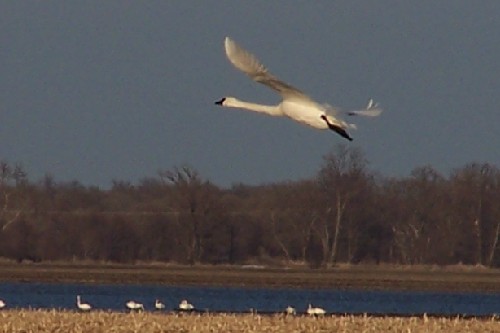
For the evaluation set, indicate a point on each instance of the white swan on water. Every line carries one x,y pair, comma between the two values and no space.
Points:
134,306
290,310
295,104
2,304
159,305
315,311
82,306
184,305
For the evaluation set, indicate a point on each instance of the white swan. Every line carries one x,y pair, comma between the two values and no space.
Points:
185,306
295,104
82,306
315,311
134,306
290,310
2,304
159,305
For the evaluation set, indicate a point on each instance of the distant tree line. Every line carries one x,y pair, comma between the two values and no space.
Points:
346,213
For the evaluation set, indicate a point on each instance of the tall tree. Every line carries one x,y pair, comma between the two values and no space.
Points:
476,191
195,200
342,177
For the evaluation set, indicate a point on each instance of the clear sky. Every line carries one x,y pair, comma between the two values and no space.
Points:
101,90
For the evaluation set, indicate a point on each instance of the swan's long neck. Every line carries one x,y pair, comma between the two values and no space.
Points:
273,110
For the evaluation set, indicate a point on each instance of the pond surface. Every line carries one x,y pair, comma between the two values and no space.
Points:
113,297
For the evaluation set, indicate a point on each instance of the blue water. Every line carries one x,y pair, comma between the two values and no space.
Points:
113,297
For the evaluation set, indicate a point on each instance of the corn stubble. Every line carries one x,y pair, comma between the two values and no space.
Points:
102,321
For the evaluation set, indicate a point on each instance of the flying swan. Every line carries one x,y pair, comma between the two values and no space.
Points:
295,104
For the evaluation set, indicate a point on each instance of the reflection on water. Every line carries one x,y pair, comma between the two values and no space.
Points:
113,297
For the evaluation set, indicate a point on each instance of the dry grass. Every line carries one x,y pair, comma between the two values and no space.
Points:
99,321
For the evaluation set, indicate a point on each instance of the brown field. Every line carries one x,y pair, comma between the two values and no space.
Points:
67,322
343,277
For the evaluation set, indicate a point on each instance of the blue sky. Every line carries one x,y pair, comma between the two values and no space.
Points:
101,90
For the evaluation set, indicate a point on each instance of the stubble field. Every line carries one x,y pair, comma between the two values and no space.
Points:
68,322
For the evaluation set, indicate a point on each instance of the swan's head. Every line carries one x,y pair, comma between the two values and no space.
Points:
227,101
221,101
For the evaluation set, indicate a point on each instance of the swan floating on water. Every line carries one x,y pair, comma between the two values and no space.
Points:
134,306
2,304
82,306
185,306
315,311
159,305
290,310
295,104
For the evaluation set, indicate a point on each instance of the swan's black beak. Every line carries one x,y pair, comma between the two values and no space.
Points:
221,101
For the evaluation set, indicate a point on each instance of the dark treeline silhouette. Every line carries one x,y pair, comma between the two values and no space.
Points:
345,213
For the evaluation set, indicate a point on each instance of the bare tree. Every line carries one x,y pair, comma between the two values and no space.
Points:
11,183
342,177
476,189
195,200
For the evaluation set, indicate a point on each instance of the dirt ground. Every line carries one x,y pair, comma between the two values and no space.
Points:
344,277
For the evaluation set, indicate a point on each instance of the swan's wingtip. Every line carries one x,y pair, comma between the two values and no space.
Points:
228,41
228,45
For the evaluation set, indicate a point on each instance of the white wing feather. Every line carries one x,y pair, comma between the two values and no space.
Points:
366,113
250,65
371,110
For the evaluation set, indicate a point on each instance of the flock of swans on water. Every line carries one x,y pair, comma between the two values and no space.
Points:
184,306
295,104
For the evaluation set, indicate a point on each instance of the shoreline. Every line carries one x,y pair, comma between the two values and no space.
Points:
361,277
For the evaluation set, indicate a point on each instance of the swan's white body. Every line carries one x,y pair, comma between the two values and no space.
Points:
185,305
159,305
290,310
132,305
82,306
2,304
295,104
315,311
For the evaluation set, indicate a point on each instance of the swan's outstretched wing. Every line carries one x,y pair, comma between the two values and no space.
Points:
366,113
372,110
250,65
